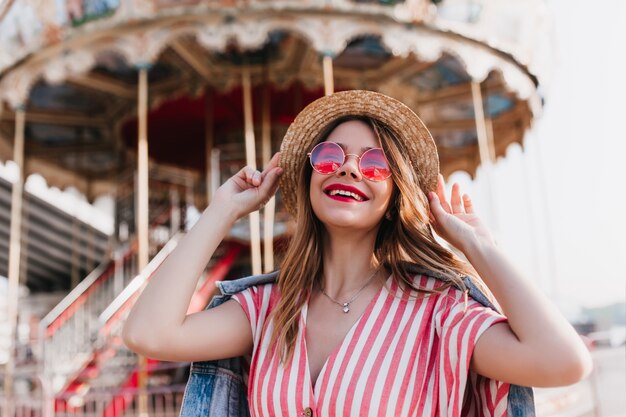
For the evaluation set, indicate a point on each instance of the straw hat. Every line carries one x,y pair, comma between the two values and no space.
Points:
310,122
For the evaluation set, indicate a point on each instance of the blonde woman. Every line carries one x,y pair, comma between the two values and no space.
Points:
368,314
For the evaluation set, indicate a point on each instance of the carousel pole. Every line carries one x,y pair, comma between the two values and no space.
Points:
255,232
14,256
142,211
269,210
215,170
209,139
487,155
329,83
175,212
490,139
75,258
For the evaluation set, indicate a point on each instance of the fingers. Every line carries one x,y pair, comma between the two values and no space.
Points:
435,206
270,183
455,199
271,164
441,194
467,202
251,176
457,203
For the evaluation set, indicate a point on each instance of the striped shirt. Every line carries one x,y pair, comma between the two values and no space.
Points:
405,356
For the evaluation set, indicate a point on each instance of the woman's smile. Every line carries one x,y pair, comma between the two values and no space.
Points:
342,192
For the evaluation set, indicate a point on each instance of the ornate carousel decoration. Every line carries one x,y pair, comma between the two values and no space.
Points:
158,101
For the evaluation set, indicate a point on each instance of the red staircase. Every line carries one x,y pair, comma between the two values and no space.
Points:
101,342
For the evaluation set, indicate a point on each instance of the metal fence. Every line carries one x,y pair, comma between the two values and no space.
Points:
161,402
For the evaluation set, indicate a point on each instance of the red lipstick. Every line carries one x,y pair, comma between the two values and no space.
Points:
344,192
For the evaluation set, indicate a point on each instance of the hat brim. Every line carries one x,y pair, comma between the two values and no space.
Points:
313,119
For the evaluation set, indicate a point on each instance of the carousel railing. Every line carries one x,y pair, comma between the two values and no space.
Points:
164,396
111,319
71,349
107,347
163,401
68,333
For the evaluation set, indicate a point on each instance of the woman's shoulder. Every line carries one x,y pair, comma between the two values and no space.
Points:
427,281
424,285
258,290
258,300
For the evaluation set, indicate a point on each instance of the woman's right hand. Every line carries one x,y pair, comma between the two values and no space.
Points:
249,190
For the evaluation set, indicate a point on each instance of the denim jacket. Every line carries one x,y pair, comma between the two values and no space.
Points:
217,388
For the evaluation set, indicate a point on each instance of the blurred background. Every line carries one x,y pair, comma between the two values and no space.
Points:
120,118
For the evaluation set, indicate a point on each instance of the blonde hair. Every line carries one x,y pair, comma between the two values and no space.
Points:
404,240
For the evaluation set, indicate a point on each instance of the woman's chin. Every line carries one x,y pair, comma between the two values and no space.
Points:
341,219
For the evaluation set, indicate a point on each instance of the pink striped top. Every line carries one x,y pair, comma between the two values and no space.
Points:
404,356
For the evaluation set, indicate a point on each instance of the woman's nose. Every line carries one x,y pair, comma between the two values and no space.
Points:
350,167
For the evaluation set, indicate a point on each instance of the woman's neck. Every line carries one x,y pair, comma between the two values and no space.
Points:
348,262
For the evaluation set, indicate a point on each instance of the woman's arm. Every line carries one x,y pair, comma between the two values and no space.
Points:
158,325
537,347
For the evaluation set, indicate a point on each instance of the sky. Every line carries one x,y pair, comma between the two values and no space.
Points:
560,202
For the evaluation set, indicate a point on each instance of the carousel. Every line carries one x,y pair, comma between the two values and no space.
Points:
154,103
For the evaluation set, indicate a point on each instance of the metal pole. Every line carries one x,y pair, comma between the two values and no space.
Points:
329,82
142,211
215,170
255,232
175,214
490,140
481,125
269,209
14,256
142,170
75,259
484,152
209,140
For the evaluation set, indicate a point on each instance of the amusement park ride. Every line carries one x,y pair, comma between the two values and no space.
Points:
156,102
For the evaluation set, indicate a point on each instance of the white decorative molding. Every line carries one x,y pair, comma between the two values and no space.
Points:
68,65
144,47
248,34
15,87
327,34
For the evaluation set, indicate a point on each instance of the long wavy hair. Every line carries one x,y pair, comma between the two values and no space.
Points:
404,240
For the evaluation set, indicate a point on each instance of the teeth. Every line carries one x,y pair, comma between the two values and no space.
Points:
347,194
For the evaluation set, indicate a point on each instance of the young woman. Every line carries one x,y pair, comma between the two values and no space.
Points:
349,328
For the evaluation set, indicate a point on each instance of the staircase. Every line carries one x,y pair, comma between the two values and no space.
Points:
83,360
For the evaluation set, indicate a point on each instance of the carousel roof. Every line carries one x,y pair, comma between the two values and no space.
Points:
78,79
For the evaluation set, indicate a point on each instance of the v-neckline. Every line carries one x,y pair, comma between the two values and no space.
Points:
347,337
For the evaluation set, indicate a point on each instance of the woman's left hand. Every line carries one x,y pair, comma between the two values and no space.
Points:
455,221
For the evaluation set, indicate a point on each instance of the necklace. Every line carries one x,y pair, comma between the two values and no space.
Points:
346,305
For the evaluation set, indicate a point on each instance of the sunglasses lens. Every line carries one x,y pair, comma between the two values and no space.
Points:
374,165
327,157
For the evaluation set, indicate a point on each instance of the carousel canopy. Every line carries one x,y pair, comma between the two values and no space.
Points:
76,78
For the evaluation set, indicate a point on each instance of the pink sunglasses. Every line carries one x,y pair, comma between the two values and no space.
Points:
327,157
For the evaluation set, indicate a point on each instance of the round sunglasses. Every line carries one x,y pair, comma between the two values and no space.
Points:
327,157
